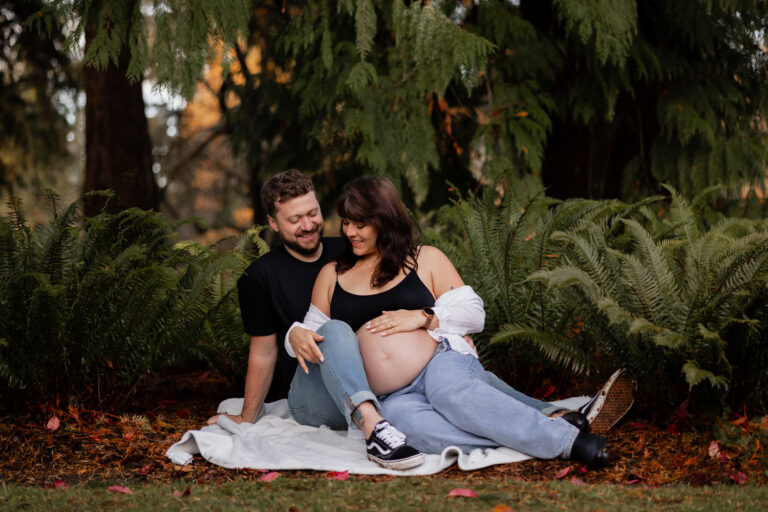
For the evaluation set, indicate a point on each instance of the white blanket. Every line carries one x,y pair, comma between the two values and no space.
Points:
277,442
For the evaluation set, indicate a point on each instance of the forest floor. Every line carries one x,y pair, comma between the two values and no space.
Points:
65,447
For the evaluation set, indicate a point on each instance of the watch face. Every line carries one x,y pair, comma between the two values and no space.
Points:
429,311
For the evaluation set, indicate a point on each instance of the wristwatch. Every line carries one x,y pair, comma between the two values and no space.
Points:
429,314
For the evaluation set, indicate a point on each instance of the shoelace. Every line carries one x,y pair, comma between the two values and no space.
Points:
390,435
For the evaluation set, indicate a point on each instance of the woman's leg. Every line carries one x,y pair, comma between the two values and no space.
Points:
456,385
428,431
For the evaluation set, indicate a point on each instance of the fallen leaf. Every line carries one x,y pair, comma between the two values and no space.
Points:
53,423
739,421
179,494
740,477
268,477
577,481
129,435
146,469
502,508
59,484
561,474
466,493
638,425
714,449
338,475
120,489
182,413
203,376
582,470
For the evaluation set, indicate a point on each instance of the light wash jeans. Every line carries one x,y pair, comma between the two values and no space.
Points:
452,403
333,388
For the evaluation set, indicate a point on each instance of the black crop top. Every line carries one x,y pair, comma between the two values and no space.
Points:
356,310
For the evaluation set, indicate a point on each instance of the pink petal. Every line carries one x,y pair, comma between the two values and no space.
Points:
583,470
714,449
466,493
338,475
560,474
179,494
54,423
146,469
578,481
268,477
740,477
59,484
120,488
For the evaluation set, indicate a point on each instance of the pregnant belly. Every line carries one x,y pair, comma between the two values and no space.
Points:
392,362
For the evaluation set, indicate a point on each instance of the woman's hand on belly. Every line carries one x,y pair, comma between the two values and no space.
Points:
392,322
394,361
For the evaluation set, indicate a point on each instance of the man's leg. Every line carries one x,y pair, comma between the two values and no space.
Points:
456,386
542,407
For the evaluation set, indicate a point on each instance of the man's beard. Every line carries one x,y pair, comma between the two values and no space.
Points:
306,251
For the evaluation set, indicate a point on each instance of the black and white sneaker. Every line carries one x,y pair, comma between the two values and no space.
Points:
388,449
612,402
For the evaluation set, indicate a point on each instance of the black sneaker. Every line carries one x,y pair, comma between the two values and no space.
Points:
388,449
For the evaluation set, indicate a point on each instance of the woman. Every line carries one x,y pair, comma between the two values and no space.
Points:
437,393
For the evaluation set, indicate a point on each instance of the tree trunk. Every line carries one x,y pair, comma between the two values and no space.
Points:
117,145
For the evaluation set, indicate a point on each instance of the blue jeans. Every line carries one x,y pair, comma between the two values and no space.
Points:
327,395
335,387
452,403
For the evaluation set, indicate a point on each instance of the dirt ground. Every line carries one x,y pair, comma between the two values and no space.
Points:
44,445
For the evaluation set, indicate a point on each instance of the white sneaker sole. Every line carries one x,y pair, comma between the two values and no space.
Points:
401,464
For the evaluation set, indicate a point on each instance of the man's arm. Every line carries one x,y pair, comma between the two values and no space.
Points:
262,358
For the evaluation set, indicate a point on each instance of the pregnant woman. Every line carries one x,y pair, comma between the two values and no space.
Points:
430,384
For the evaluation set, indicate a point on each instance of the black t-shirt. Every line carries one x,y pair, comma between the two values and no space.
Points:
275,291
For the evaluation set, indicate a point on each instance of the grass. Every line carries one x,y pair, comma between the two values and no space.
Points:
425,494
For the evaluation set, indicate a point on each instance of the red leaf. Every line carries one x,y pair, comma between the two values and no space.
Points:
502,508
561,474
714,449
146,469
739,421
182,413
59,484
582,470
577,481
120,489
53,423
466,493
268,477
179,494
338,475
203,376
740,477
548,391
639,425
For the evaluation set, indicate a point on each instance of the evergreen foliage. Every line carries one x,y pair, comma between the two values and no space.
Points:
605,284
90,306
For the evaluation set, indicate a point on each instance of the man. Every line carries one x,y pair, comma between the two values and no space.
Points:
330,387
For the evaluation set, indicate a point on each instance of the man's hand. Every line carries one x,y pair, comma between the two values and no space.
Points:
304,343
402,320
237,419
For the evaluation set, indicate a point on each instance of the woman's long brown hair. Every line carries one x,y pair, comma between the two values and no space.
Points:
373,200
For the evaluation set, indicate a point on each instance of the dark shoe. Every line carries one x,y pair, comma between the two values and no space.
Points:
388,449
590,450
612,402
578,420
